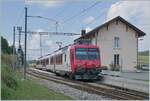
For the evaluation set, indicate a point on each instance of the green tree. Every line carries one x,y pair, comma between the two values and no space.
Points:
4,45
5,48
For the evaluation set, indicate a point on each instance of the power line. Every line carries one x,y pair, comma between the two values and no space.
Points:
96,18
52,33
83,11
59,13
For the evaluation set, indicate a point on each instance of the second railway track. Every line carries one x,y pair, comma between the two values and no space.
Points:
100,89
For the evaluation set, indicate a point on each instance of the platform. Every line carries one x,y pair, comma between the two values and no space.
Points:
137,81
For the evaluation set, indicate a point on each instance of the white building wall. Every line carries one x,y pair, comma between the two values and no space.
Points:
127,49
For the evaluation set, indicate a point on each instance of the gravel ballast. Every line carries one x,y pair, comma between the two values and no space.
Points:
69,91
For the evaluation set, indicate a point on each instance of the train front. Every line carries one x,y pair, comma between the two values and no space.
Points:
87,62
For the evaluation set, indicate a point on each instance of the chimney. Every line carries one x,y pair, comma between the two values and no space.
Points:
83,32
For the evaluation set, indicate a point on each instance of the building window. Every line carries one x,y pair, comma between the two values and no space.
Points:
116,42
116,59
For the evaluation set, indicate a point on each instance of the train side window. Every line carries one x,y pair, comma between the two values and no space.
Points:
52,60
47,62
59,59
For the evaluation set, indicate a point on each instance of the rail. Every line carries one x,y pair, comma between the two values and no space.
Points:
100,89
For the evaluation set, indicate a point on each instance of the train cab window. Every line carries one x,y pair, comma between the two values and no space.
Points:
81,54
87,53
93,54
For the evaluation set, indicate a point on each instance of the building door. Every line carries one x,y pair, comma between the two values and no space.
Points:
116,59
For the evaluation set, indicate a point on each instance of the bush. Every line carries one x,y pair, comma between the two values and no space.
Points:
14,88
6,92
8,77
138,66
6,59
104,67
114,67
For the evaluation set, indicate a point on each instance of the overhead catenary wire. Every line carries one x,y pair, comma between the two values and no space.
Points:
95,19
81,12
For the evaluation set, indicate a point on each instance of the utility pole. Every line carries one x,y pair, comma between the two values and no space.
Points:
55,55
41,45
19,48
14,60
25,46
20,30
56,26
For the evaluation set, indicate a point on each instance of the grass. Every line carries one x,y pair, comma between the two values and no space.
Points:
143,60
13,87
29,90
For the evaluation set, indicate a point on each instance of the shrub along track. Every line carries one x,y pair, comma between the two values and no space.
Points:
99,89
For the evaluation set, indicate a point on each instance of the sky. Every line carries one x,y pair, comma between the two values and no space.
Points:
70,20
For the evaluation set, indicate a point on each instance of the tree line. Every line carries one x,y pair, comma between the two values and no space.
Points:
5,48
8,49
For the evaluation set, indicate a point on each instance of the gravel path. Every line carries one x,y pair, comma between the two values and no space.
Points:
66,90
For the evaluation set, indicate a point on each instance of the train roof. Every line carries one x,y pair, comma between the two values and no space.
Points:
64,49
61,50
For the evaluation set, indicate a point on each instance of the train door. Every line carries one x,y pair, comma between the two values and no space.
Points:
72,59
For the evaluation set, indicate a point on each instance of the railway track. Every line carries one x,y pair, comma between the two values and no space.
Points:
99,89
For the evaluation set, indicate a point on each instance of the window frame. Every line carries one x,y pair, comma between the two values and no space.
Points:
116,42
116,59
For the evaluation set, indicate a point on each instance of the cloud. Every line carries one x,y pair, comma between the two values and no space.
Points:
88,29
50,44
34,42
88,19
136,12
45,3
128,9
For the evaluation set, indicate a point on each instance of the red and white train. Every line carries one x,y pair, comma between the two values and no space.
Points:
78,61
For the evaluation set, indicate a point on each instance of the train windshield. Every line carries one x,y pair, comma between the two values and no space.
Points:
81,54
93,53
87,53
